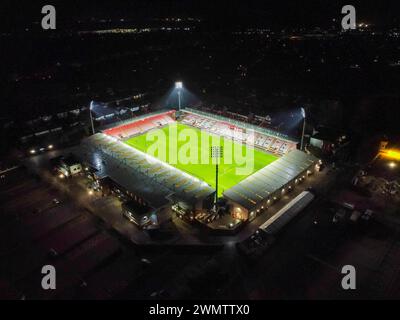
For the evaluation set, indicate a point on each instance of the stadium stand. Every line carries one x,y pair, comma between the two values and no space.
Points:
276,143
140,126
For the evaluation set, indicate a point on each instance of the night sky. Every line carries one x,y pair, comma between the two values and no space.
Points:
276,14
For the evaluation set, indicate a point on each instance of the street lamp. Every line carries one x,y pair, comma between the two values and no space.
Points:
216,152
179,86
303,113
91,117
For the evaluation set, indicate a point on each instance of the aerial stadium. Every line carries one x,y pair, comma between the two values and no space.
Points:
164,160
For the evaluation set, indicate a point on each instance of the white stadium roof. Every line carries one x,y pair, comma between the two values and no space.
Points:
263,183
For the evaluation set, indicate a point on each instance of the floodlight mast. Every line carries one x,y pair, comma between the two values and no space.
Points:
217,153
91,117
303,113
179,86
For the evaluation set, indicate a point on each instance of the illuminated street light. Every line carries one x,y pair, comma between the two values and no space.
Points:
50,146
33,151
392,164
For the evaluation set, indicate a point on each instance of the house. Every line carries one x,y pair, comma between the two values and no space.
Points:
329,140
68,166
141,215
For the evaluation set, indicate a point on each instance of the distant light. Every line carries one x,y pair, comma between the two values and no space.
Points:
90,192
32,151
391,153
392,164
61,176
50,146
178,85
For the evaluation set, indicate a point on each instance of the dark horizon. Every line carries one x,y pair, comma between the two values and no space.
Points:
220,15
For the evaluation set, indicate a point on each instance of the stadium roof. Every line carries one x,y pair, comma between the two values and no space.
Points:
263,183
140,173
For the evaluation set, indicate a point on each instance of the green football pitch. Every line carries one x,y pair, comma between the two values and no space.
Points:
188,149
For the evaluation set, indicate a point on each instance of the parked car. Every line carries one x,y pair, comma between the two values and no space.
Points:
367,215
339,215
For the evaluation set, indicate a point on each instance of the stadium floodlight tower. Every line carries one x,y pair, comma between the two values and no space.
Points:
91,117
217,152
303,113
178,87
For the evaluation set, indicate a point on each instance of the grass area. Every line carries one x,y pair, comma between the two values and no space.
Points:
188,149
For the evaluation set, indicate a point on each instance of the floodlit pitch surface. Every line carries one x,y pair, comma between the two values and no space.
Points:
228,176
